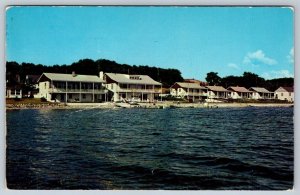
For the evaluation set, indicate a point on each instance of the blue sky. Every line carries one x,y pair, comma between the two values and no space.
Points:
195,40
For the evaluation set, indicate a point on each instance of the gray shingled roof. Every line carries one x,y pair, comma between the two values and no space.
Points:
70,77
259,89
217,88
289,89
239,89
125,78
190,85
285,89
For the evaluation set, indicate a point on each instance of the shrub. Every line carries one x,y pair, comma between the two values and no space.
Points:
43,99
17,99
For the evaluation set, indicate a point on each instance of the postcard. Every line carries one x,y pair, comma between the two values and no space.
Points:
149,98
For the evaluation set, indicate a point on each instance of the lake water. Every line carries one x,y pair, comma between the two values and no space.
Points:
179,149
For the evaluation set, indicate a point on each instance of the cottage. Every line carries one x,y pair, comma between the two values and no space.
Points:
125,87
15,92
240,93
261,93
285,93
217,92
190,91
71,88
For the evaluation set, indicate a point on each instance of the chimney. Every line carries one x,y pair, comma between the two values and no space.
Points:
101,75
73,74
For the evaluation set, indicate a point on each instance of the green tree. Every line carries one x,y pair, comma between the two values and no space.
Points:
231,81
213,79
252,80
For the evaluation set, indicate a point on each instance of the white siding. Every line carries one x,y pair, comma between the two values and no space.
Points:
44,90
289,96
235,95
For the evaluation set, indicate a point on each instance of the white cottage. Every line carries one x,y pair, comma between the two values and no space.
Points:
285,93
240,93
13,93
125,87
217,92
190,91
261,93
71,88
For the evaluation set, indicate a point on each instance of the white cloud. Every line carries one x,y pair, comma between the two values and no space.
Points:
290,57
258,57
232,65
277,74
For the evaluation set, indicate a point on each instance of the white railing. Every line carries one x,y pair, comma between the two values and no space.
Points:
196,94
139,90
63,90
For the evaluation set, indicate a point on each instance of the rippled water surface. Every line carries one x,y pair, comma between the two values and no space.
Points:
182,149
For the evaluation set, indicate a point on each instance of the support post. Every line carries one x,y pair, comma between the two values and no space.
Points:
161,93
79,91
66,99
93,92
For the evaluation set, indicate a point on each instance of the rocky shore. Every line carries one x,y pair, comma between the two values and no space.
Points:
158,105
34,106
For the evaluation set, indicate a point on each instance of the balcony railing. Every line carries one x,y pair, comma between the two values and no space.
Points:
196,94
64,90
139,90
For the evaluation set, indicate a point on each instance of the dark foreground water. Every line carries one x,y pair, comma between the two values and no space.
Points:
183,149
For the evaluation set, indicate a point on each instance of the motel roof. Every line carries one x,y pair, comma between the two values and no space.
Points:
239,89
217,88
190,85
132,79
289,89
285,89
259,89
71,77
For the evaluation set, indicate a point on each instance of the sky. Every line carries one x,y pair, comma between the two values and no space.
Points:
195,40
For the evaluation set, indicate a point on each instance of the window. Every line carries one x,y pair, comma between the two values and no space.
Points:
281,94
83,96
290,94
149,87
45,85
124,86
70,96
97,86
135,78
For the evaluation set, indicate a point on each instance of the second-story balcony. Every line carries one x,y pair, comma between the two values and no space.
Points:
139,90
64,90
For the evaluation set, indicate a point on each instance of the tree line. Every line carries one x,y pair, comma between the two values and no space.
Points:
90,67
248,80
166,76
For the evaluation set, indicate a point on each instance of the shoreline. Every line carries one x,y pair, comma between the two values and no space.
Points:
158,105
